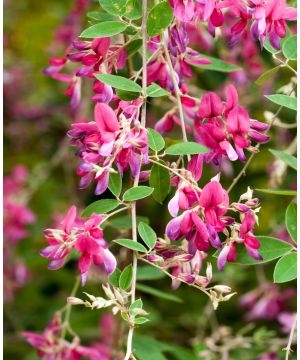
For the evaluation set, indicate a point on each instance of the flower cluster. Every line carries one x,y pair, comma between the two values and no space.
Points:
17,217
266,18
203,216
108,141
83,235
268,302
218,126
52,345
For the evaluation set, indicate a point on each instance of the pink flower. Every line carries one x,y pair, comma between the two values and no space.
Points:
183,9
246,233
270,19
214,200
86,237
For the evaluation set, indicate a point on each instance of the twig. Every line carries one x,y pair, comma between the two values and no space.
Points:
291,336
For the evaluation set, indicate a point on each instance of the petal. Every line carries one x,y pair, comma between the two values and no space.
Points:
106,118
110,262
68,221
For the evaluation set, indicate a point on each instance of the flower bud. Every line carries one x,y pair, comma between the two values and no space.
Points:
222,288
75,301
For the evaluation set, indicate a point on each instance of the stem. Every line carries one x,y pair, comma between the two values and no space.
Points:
176,88
69,309
136,179
174,277
289,345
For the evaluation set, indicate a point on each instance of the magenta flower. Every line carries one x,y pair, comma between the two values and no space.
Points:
270,20
184,10
86,237
218,125
246,233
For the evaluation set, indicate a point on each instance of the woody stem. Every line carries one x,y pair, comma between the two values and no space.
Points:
136,179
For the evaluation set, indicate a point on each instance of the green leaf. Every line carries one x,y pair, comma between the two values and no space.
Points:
100,207
160,294
283,100
291,220
187,148
119,82
137,304
132,245
127,95
155,90
147,348
147,234
101,16
160,181
126,278
114,7
140,320
278,192
115,183
287,158
104,29
267,75
155,140
286,268
217,65
137,193
149,272
114,277
124,222
159,18
270,249
133,9
289,48
133,47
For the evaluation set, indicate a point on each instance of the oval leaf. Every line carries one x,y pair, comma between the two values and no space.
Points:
114,7
155,90
155,140
283,100
267,75
133,47
119,82
270,249
187,148
149,272
101,16
136,193
291,220
287,158
104,29
115,183
114,277
100,207
286,268
160,181
133,9
132,245
125,278
289,48
147,234
159,18
127,95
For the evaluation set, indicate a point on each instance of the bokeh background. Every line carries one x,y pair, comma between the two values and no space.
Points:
36,119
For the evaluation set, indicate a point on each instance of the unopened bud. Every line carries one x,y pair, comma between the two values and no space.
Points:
74,301
209,272
229,296
222,288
